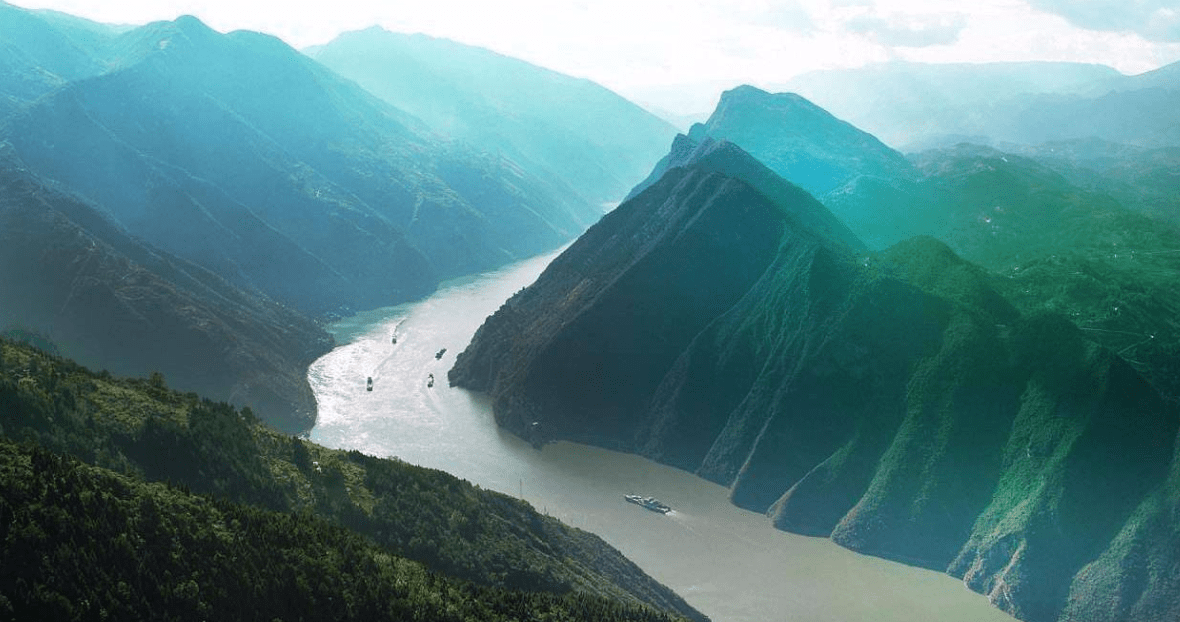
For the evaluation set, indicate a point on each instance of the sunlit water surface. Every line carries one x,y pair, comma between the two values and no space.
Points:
728,563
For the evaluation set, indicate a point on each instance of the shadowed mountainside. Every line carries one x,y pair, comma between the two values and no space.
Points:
1090,244
108,300
242,155
246,187
892,400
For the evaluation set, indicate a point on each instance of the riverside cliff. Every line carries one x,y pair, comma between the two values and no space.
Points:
722,321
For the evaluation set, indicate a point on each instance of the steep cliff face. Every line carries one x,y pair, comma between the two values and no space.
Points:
1074,243
629,296
892,401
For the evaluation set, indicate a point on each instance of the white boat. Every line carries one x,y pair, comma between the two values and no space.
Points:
651,503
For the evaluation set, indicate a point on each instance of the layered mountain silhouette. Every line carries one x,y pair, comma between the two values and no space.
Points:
558,127
67,272
909,105
248,187
41,52
868,185
915,105
238,153
1084,228
894,401
1138,177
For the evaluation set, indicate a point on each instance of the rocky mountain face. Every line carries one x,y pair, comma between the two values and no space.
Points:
572,131
641,309
894,401
106,298
238,153
1080,227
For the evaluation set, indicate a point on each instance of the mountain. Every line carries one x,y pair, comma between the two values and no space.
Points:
894,401
1080,248
555,126
256,516
176,553
38,55
632,287
108,299
242,155
914,104
1136,112
868,185
1073,228
1140,178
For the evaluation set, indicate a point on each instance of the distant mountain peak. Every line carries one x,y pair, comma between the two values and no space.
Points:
191,22
745,96
722,156
189,27
576,134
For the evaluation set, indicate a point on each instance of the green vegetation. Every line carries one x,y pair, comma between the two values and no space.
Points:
1053,246
84,543
144,431
905,402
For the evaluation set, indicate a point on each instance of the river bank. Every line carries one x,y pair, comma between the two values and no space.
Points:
727,562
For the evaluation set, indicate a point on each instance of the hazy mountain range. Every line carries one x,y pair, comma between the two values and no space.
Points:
555,126
288,182
965,357
913,106
891,395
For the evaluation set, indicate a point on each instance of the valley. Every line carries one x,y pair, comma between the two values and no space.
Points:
892,332
727,562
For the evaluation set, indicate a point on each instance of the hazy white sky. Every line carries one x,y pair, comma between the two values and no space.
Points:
643,46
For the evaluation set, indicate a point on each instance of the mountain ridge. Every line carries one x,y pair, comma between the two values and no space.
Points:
569,130
106,298
893,401
204,113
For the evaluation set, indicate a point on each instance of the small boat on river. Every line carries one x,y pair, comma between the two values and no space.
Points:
651,503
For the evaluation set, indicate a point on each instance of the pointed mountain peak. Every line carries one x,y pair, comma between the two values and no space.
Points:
747,104
192,24
727,158
746,96
800,141
187,26
168,37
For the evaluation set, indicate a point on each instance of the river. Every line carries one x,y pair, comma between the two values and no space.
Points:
727,562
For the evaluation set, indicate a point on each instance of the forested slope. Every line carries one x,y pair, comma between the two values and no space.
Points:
144,430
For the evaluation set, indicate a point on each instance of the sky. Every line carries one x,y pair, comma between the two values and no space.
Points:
658,51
